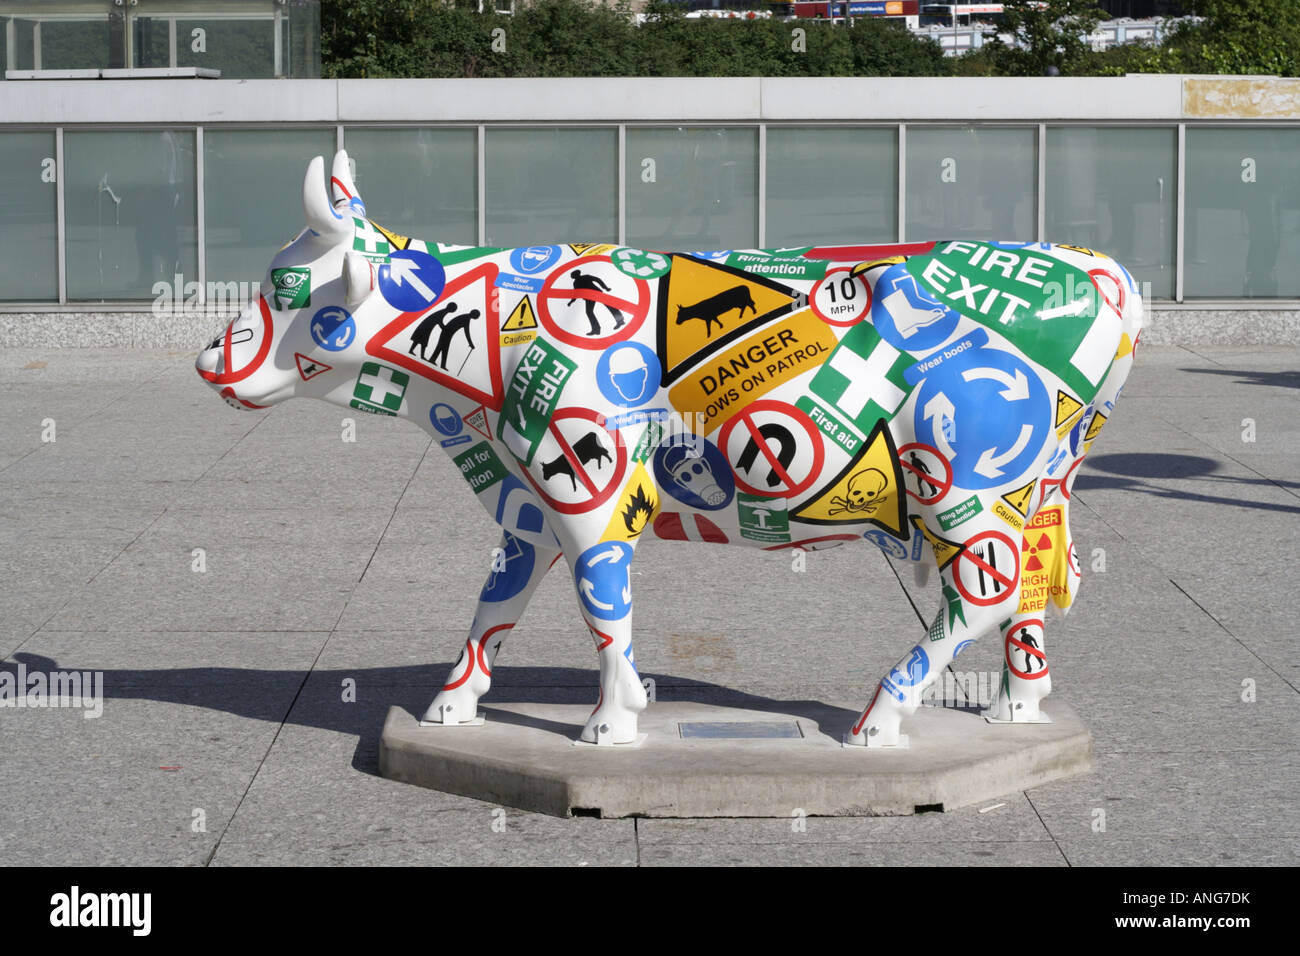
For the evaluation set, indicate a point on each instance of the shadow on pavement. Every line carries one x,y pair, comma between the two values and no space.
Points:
1141,472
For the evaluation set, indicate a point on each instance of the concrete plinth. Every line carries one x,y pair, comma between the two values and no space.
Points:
705,760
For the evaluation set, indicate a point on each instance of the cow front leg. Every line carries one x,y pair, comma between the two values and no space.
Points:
604,587
517,568
959,622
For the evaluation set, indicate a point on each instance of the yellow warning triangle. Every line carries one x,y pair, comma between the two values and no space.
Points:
1019,498
1094,426
869,489
398,241
862,267
1125,347
704,304
521,318
580,247
1067,406
945,551
635,507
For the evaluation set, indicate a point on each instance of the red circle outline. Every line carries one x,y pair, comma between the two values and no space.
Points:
839,323
1123,293
1008,640
230,378
1012,589
800,419
947,486
620,466
628,330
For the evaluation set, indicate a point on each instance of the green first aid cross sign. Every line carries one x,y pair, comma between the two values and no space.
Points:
379,389
863,378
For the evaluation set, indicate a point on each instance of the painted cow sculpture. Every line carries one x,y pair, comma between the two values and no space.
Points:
934,399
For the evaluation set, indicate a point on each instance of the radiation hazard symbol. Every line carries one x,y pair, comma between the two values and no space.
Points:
704,306
868,489
945,551
635,507
1045,571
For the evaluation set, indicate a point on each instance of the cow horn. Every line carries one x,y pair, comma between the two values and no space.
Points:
342,188
321,217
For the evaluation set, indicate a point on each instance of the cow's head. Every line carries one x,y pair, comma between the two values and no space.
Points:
299,337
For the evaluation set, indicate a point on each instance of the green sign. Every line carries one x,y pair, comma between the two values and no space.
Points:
292,287
1046,308
778,267
650,438
379,389
369,241
863,379
480,466
958,513
763,519
640,265
836,432
532,397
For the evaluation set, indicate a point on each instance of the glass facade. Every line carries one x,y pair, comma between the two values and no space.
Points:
551,182
29,213
830,185
972,183
692,187
1242,235
130,210
252,194
1116,190
132,198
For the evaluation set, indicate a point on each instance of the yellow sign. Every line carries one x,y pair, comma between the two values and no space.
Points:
862,267
725,383
1067,407
705,305
1020,498
870,488
945,551
397,241
1125,347
580,247
1094,426
521,318
1045,562
635,508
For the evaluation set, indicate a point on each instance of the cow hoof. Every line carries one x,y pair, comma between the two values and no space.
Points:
451,708
876,735
606,730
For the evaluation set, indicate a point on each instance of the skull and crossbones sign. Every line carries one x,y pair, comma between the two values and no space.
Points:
864,491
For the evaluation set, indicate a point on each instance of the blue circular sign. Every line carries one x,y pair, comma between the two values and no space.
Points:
533,259
695,472
988,413
445,419
411,280
601,576
333,329
628,374
512,566
906,315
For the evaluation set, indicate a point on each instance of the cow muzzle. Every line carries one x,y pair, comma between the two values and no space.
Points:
234,357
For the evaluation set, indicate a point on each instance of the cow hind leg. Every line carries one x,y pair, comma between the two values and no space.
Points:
517,569
970,606
1025,677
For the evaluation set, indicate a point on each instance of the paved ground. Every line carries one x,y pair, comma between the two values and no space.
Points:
226,737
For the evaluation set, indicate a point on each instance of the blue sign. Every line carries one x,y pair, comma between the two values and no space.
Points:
987,412
411,280
907,316
332,328
517,510
695,472
628,374
512,566
508,280
894,548
445,419
914,670
601,574
533,259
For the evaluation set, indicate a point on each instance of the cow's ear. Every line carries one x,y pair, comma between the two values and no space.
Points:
358,278
343,190
321,217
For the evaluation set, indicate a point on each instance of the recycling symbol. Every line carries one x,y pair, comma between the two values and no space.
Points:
640,265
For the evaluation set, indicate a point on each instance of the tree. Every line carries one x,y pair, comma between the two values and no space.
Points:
1050,37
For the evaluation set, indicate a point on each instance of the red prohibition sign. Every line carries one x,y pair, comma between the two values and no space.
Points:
834,281
1073,557
1026,648
228,377
638,309
1069,474
995,575
786,411
944,484
598,495
1094,274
